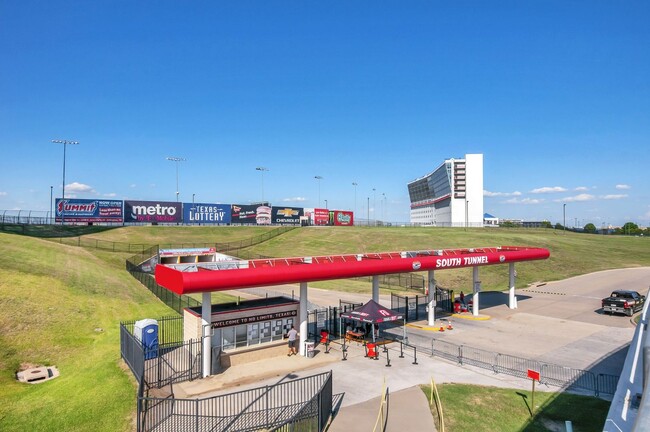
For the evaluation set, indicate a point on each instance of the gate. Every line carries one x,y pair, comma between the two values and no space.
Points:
328,319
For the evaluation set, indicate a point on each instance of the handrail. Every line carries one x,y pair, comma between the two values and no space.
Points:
441,419
381,420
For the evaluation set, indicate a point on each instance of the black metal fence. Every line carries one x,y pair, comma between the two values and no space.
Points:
303,404
414,307
408,281
328,319
174,360
550,374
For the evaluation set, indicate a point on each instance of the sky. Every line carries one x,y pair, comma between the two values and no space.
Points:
554,94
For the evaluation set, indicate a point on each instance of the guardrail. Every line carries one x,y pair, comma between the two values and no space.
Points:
550,374
630,408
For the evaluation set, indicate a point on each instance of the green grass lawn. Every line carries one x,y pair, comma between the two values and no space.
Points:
61,305
468,408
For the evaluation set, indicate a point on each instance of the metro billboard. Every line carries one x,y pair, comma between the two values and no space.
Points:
200,213
88,210
153,211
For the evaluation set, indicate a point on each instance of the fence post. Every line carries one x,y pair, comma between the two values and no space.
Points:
196,413
460,354
415,355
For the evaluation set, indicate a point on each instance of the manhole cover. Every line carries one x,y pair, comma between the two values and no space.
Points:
37,374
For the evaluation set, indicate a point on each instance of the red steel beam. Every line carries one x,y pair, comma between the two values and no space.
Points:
296,270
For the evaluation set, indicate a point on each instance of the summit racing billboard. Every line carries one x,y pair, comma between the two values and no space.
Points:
206,213
87,210
286,215
153,211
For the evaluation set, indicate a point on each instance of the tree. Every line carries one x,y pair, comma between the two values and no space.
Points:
590,228
558,226
546,224
631,228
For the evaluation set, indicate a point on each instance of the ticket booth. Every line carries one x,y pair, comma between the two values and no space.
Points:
244,330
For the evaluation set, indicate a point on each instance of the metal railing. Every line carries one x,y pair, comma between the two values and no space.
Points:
300,404
174,360
550,374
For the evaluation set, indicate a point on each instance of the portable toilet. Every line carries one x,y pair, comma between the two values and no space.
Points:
146,331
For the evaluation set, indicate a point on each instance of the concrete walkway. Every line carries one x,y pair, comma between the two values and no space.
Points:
408,410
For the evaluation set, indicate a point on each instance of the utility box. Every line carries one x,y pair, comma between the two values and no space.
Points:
146,332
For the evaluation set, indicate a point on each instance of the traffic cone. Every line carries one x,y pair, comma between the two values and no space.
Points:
442,327
449,327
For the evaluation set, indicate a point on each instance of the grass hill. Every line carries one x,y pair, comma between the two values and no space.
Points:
61,305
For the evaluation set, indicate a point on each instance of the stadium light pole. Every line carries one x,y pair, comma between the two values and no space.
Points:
319,178
355,196
65,144
374,206
368,223
261,170
383,206
564,217
51,210
176,160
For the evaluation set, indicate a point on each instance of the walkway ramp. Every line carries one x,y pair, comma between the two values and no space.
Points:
408,411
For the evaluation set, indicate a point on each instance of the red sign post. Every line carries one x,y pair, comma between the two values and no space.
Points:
534,376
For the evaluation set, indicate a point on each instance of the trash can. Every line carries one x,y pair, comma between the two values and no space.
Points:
309,349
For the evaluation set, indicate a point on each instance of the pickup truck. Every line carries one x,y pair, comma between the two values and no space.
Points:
623,301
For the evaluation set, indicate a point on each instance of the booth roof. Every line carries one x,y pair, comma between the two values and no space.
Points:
372,312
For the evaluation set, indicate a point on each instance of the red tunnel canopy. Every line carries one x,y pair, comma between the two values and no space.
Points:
280,271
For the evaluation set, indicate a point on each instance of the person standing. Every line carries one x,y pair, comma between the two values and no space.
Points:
462,298
292,336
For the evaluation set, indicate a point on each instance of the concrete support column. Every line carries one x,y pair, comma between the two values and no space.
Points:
375,288
206,325
512,298
303,318
477,288
431,287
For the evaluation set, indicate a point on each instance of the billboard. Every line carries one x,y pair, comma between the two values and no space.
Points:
286,215
200,213
153,211
318,216
88,210
341,218
251,214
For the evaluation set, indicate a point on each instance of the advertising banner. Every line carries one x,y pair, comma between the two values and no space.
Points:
200,213
320,217
153,211
342,218
287,215
88,210
251,214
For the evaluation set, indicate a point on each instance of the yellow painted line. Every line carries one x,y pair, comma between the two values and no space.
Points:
472,317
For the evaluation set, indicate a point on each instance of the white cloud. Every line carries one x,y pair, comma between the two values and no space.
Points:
548,189
581,189
110,195
79,187
294,199
487,193
614,197
623,187
576,198
3,194
524,201
132,185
